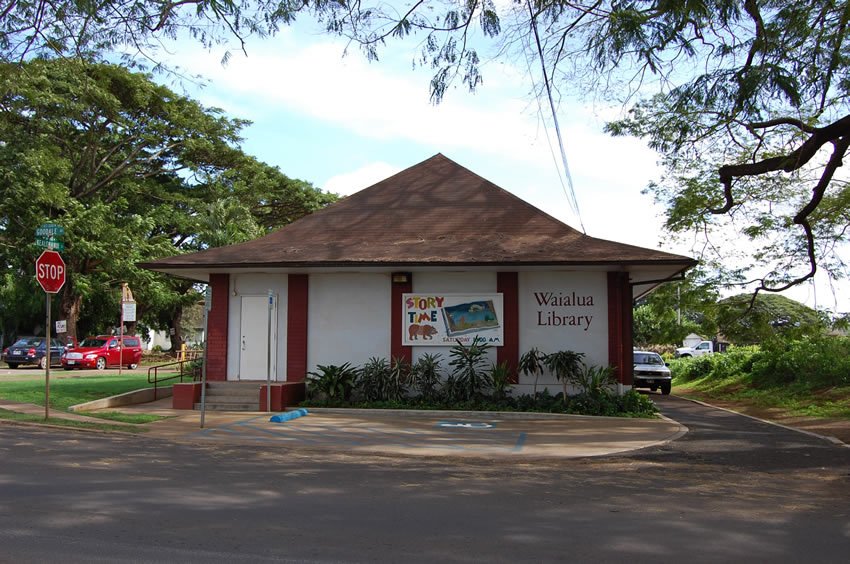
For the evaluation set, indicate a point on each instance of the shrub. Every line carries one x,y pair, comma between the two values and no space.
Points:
426,376
373,379
531,363
334,383
811,362
468,369
500,376
566,366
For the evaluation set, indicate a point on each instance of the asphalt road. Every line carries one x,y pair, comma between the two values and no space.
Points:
732,489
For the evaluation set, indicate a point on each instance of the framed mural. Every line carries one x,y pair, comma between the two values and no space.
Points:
446,319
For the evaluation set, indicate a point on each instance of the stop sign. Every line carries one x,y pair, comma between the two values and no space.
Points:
50,271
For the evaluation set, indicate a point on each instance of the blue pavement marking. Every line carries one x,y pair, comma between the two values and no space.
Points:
455,437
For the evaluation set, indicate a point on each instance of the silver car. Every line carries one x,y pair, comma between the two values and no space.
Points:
650,371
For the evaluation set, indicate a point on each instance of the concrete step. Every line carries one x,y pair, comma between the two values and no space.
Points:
218,405
232,396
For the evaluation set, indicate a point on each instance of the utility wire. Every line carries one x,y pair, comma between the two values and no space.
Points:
571,193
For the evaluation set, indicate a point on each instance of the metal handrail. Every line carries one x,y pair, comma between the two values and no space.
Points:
182,372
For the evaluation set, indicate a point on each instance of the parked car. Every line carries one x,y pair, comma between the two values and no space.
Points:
33,350
103,351
650,371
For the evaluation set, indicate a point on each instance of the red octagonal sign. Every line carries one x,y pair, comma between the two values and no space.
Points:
50,271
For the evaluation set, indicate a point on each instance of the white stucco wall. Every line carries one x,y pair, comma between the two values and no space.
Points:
555,314
448,283
349,318
256,284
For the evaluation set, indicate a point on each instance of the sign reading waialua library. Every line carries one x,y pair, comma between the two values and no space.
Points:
448,319
564,309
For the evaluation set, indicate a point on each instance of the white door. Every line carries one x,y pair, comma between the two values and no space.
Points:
254,335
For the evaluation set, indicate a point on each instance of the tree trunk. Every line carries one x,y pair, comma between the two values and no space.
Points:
69,308
175,333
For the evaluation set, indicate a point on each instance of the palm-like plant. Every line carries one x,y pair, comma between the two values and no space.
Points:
334,382
567,366
425,375
531,363
468,367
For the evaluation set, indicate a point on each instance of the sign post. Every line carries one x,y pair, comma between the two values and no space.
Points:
207,308
50,274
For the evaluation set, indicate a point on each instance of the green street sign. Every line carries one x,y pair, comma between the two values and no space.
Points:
49,230
50,243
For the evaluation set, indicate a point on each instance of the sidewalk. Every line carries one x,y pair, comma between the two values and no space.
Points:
517,436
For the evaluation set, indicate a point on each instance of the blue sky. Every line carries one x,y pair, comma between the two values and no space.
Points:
344,123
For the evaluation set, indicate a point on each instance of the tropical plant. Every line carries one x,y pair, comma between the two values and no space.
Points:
334,382
468,368
566,366
500,376
595,379
399,378
425,376
531,363
372,378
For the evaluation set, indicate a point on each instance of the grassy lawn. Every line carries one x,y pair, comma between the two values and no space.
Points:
65,392
12,416
795,399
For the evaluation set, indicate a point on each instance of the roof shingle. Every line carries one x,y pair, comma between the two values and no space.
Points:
433,213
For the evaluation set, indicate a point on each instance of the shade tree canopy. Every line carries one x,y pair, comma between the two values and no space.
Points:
133,172
746,101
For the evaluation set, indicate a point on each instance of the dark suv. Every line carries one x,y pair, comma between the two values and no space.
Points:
32,350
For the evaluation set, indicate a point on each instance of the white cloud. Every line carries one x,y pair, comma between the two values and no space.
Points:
350,182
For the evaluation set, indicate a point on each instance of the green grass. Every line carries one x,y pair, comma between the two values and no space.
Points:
65,392
796,399
26,417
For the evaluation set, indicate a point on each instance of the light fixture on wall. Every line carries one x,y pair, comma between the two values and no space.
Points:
401,277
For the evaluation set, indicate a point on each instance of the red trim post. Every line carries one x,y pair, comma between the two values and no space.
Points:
400,283
620,326
507,284
217,328
296,327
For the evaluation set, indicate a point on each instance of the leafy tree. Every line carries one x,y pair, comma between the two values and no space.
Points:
746,101
676,309
132,172
745,322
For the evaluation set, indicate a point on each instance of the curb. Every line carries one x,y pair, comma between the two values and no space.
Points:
833,440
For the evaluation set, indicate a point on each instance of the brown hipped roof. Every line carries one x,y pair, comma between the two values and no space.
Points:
431,214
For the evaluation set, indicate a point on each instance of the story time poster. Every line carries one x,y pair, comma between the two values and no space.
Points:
448,319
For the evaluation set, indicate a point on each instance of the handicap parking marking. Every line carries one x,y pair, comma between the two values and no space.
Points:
448,435
466,425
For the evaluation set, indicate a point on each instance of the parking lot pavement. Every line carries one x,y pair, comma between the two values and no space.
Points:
428,434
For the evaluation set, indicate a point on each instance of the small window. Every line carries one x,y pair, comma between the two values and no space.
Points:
131,342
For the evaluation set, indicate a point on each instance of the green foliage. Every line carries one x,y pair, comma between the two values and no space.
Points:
426,376
531,363
468,368
373,378
500,376
674,310
812,361
744,321
595,379
133,172
332,383
566,366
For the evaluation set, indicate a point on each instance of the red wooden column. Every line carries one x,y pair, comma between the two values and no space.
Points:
296,328
217,327
404,285
507,284
620,326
